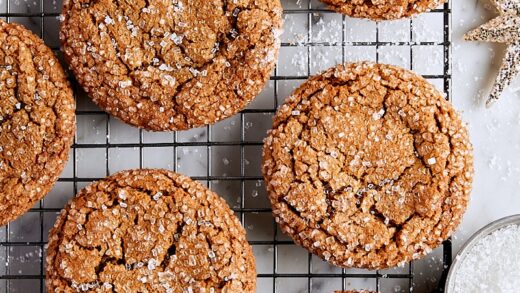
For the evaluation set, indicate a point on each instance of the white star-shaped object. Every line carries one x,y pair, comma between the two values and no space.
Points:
504,28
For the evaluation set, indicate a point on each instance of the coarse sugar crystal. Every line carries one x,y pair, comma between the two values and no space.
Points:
492,264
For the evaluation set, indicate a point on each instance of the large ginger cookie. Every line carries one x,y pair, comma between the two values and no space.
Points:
368,166
37,120
382,9
148,231
171,65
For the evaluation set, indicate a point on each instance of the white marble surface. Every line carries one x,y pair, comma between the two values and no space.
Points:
494,133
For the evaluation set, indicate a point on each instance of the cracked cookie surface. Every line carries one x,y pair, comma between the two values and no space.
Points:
368,166
37,120
148,231
171,65
382,9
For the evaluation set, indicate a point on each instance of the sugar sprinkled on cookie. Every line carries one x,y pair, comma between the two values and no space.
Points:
36,118
374,171
382,9
149,231
171,65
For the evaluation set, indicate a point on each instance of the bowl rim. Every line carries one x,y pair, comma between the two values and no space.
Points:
481,233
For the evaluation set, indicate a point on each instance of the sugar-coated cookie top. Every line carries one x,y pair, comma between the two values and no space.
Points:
149,231
368,166
36,118
382,9
171,65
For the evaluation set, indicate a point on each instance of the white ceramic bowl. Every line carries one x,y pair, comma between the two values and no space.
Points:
494,226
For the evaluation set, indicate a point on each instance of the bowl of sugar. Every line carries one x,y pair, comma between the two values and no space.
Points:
489,261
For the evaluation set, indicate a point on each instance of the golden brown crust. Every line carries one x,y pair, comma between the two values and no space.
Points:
382,9
368,166
37,120
171,65
148,231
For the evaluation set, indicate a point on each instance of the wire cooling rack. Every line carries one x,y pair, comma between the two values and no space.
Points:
227,156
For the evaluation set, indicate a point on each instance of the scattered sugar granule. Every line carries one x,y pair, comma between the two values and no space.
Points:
125,84
109,20
157,196
432,161
492,264
152,264
165,67
122,194
378,115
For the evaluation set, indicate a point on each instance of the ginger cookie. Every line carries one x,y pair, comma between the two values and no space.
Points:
368,166
171,65
37,120
382,9
148,231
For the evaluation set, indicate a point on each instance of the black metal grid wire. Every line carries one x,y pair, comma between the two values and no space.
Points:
34,282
